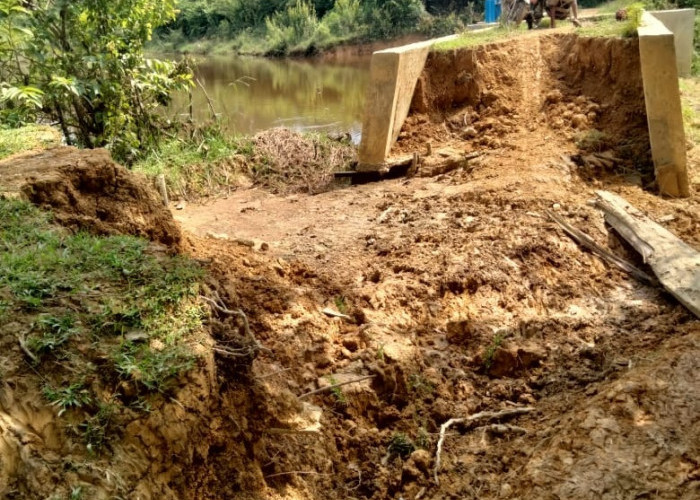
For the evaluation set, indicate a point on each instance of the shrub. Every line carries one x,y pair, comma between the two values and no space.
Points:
289,28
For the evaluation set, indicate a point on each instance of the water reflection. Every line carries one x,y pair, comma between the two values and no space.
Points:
254,94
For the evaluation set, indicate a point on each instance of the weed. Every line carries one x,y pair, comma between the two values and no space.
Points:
66,398
76,493
634,19
400,445
341,304
337,392
418,383
55,331
380,352
423,439
491,351
94,429
152,369
116,286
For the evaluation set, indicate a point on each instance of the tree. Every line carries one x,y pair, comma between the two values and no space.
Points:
81,64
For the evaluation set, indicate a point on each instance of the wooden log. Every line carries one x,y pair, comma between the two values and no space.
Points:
675,263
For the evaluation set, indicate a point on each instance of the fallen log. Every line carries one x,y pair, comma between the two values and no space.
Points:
675,263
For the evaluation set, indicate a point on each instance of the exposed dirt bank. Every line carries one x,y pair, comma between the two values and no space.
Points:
552,91
87,190
458,295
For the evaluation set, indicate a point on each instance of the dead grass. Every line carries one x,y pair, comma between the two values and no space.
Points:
285,161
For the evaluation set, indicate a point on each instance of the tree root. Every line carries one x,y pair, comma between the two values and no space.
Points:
254,346
484,415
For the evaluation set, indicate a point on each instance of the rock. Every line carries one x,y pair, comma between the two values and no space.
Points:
579,120
504,363
469,132
510,360
459,331
422,459
554,97
217,236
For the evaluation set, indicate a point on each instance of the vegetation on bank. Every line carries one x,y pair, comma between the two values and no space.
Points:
278,27
106,323
210,162
27,138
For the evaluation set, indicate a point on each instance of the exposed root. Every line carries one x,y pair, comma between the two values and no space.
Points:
26,350
240,352
484,415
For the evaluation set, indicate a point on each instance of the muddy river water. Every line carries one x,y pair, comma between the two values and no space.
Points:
253,94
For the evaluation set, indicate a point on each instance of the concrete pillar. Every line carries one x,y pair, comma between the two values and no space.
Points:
394,74
681,22
663,106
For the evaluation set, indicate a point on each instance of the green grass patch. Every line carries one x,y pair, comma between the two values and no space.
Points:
107,322
481,37
30,137
690,101
201,164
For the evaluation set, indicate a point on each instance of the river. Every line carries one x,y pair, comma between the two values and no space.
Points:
253,94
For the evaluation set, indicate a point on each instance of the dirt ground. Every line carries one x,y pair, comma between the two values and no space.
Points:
447,296
464,297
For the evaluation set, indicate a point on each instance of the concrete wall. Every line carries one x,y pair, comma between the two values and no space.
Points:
663,105
681,23
394,74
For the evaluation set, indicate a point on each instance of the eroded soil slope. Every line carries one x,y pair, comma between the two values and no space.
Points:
444,297
462,296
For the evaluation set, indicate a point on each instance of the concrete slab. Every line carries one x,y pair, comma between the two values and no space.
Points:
681,23
663,106
394,74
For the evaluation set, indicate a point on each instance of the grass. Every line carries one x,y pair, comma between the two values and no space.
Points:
690,100
108,323
202,164
338,394
401,445
16,140
480,37
491,351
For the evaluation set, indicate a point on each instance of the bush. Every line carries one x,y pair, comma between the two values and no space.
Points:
289,28
344,20
441,26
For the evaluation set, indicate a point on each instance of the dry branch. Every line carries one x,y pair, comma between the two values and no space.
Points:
484,415
587,242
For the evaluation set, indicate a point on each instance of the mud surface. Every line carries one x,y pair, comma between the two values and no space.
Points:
87,190
457,295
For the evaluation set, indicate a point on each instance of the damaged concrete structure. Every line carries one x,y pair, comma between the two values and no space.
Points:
663,52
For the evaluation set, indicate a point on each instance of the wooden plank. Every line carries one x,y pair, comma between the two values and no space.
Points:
675,263
587,242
